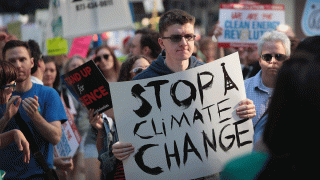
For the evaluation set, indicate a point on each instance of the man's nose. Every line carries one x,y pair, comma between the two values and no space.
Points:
17,64
184,41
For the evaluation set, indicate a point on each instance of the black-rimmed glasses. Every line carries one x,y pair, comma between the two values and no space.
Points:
268,57
178,38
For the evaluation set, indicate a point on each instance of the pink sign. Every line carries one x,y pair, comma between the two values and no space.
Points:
80,46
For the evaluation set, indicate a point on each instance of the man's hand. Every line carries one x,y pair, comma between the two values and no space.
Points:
122,150
31,105
11,108
246,109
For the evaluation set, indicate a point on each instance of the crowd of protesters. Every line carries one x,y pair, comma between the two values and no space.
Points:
281,80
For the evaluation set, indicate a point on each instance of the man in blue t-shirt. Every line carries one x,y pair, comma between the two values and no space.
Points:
40,108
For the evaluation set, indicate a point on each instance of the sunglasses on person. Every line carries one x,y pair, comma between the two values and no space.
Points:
268,57
138,70
98,58
178,38
13,86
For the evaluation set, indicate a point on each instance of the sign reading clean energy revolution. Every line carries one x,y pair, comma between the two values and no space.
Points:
244,24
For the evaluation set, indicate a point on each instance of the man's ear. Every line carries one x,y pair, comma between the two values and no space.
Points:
32,62
160,41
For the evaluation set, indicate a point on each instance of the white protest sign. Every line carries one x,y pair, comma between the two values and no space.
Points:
244,24
183,125
86,17
70,138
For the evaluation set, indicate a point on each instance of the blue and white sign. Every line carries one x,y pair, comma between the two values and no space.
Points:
311,18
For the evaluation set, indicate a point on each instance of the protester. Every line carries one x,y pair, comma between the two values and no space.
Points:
107,62
289,139
41,110
274,49
51,78
176,29
132,67
78,111
8,74
80,116
38,69
145,42
51,75
110,166
106,135
209,49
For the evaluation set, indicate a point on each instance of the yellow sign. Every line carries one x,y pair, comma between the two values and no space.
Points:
57,46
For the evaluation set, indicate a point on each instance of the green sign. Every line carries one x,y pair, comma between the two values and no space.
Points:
57,46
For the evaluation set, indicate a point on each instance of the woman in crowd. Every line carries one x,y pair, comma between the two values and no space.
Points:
105,126
51,78
80,117
51,75
133,66
8,74
107,62
289,136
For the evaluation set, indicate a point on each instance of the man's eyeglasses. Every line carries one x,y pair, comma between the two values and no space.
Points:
178,38
268,57
13,86
98,58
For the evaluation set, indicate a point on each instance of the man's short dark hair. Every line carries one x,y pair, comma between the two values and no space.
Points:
35,53
150,38
13,44
175,16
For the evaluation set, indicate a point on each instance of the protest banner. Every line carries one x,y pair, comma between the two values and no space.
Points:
183,125
57,46
83,17
70,138
88,85
80,46
244,24
310,21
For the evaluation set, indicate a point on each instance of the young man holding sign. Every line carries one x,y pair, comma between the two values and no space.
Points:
176,29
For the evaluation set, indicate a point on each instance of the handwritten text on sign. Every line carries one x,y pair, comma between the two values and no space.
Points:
183,125
244,24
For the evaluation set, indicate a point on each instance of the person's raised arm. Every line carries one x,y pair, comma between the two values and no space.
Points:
11,110
51,131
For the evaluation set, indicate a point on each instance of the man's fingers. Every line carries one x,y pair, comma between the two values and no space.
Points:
124,157
122,150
